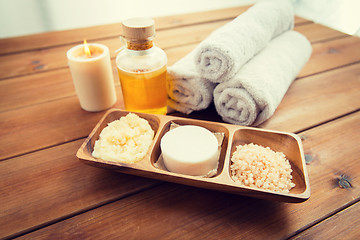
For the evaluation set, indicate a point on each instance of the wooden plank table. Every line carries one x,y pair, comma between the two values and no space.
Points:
47,193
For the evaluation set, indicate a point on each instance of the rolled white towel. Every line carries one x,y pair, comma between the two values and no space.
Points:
187,91
220,56
252,96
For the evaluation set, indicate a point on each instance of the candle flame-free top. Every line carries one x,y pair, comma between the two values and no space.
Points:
87,49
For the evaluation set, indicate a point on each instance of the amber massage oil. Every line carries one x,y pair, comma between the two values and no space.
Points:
142,68
144,91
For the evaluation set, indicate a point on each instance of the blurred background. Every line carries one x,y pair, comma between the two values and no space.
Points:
23,17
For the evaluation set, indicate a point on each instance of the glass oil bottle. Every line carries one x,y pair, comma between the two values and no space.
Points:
142,68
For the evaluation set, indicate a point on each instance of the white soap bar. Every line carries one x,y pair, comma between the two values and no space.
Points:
190,150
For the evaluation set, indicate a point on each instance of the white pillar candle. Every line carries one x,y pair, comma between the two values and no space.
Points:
92,76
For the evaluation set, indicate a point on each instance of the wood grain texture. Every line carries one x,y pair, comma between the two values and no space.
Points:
317,33
57,185
195,213
45,125
343,225
40,88
35,89
332,54
311,99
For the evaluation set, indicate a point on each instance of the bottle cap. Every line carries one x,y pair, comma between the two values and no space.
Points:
138,28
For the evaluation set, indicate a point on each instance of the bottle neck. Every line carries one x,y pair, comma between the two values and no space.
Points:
139,45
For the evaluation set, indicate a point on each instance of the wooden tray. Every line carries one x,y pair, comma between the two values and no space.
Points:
288,143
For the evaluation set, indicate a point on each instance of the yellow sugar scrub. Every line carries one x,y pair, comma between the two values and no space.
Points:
259,167
126,140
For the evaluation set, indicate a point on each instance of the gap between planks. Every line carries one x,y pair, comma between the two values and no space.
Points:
327,121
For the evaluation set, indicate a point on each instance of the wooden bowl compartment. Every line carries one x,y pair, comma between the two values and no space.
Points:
153,120
215,128
110,116
287,143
